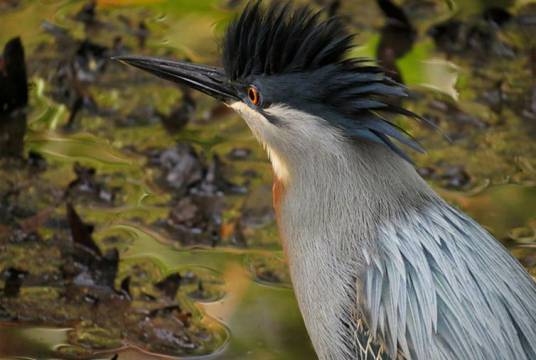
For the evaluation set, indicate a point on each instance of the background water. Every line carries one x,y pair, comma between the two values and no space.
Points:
176,183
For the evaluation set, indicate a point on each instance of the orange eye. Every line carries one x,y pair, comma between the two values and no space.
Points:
254,96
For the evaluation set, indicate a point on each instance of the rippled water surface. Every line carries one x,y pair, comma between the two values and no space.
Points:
179,192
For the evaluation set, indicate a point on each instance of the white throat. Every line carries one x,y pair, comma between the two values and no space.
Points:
291,143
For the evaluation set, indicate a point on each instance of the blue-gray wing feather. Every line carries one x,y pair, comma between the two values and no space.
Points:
441,287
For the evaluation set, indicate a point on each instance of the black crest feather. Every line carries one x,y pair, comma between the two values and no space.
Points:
280,39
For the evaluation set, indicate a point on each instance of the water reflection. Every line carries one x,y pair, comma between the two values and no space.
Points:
30,342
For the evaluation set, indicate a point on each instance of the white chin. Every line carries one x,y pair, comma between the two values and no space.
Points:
263,130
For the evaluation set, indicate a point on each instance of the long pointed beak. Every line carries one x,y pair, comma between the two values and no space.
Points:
210,80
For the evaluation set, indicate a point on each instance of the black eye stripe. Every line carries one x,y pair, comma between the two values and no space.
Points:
271,119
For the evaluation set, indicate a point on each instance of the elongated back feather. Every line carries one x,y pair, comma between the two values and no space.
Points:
449,291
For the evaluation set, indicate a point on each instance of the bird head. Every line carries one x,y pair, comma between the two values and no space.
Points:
287,72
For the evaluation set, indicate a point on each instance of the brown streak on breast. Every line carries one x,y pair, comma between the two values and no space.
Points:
278,192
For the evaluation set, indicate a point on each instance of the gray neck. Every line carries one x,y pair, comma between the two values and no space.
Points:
332,205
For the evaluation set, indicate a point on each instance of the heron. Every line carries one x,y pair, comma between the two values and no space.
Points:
382,267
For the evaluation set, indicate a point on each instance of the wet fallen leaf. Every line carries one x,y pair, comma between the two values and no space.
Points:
81,233
169,285
13,281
